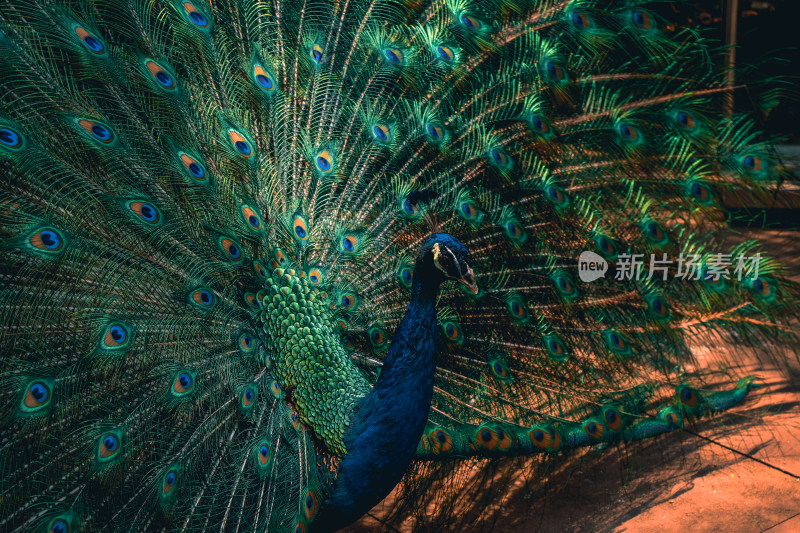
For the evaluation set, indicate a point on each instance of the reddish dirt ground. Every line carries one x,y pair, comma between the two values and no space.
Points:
681,481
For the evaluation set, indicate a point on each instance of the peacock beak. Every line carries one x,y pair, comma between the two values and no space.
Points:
468,280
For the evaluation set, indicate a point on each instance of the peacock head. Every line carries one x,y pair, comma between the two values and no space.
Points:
444,257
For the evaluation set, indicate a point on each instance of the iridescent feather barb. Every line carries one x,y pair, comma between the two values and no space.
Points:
222,303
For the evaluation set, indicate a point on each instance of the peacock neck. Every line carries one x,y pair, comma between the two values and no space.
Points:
386,430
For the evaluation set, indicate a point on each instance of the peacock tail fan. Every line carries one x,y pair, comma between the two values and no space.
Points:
210,214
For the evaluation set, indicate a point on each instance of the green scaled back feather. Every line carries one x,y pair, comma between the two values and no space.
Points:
209,216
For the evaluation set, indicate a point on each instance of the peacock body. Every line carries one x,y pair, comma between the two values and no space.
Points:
231,232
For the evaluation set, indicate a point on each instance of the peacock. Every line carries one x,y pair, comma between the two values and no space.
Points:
263,260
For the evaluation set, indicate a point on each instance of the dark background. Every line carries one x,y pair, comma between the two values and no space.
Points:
768,39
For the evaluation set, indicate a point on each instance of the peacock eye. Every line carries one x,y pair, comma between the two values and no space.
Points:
90,41
580,20
349,244
47,240
10,138
381,132
554,70
231,249
628,132
195,16
445,53
434,131
263,79
394,56
316,53
162,77
300,228
98,131
59,525
324,161
470,23
315,276
641,19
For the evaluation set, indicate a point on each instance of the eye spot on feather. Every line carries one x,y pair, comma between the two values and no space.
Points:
324,161
348,301
170,480
617,341
90,41
315,276
395,56
452,331
434,131
300,527
658,307
671,416
263,79
195,169
146,212
687,397
251,300
183,384
545,438
300,229
116,336
557,196
97,130
700,192
500,370
246,343
641,20
593,429
554,70
232,250
348,343
381,132
311,504
471,23
164,79
613,419
204,298
468,211
406,277
37,396
248,397
349,244
195,16
295,420
513,229
445,53
628,132
252,218
580,21
377,337
109,446
47,240
493,439
540,125
751,163
259,270
10,138
316,53
58,525
240,144
442,442
761,287
263,454
280,257
685,120
606,246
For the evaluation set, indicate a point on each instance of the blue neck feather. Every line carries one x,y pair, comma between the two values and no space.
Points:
390,420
